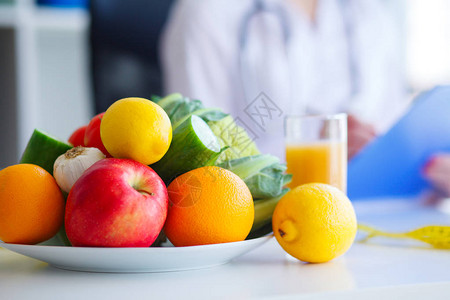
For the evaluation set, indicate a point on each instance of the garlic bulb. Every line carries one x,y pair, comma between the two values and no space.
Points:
69,166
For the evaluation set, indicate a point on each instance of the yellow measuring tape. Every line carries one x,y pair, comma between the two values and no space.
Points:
435,235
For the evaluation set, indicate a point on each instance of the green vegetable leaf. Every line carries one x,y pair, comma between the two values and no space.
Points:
263,174
185,109
269,182
248,166
155,98
170,100
211,114
207,114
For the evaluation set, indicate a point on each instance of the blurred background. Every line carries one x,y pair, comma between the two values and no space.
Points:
63,61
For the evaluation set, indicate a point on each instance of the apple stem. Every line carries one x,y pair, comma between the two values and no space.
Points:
145,192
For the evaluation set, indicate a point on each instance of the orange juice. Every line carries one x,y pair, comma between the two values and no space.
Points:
324,161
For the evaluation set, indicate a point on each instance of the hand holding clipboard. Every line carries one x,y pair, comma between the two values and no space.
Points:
392,164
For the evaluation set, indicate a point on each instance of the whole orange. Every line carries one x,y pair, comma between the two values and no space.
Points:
31,205
208,205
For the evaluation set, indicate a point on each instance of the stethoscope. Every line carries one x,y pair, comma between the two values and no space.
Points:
259,7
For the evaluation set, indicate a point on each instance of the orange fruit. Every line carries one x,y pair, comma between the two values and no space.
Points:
208,205
314,222
31,205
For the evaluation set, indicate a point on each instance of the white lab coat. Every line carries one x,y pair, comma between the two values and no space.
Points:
202,58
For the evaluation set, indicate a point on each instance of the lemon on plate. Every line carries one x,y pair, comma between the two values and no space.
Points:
315,222
136,128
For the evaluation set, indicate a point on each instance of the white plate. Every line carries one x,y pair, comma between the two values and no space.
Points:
128,260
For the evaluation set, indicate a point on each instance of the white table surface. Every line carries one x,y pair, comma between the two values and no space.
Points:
381,269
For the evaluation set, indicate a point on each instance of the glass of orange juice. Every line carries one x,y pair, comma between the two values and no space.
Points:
316,149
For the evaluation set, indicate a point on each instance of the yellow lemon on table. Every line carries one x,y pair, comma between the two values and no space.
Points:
136,128
315,222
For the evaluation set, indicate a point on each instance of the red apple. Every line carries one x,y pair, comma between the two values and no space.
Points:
116,203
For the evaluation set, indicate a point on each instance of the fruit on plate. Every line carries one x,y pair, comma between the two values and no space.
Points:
31,205
193,145
42,150
116,203
92,134
77,137
136,128
71,165
315,222
208,205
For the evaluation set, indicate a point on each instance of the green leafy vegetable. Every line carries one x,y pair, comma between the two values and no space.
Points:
171,103
207,114
263,174
155,98
169,100
180,108
185,108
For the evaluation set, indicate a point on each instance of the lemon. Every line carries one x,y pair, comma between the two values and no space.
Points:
315,222
136,128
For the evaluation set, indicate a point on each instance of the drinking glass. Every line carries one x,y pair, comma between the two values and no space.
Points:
316,149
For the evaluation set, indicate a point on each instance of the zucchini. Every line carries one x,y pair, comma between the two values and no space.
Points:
43,150
193,145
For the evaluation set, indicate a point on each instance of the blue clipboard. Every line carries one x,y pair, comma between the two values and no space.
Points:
391,165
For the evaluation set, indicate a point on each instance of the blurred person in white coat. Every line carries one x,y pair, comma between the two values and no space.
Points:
306,56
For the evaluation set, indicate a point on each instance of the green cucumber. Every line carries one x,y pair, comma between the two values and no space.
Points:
193,145
43,150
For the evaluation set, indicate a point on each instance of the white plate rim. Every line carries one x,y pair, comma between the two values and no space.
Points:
216,254
155,249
